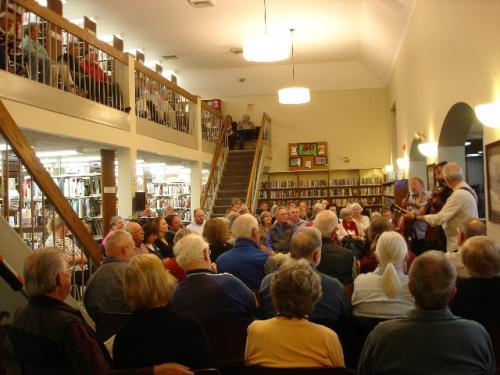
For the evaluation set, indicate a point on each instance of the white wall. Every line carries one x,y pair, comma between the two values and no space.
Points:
451,53
353,122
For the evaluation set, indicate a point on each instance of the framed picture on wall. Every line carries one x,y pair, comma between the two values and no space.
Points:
321,149
492,156
295,162
308,149
430,177
320,160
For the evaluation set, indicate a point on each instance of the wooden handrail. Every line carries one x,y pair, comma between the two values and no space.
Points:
214,112
18,142
63,23
215,158
260,142
159,78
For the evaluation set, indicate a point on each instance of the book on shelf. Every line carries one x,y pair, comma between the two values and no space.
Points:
282,184
313,183
344,181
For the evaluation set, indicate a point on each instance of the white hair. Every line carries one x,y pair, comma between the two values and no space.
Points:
345,211
189,249
244,225
116,241
326,221
317,208
41,268
391,251
354,205
453,172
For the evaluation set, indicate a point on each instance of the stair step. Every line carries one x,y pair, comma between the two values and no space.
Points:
223,202
231,185
232,194
221,210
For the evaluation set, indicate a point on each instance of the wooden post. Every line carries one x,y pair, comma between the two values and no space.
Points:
140,56
108,183
89,25
158,68
118,43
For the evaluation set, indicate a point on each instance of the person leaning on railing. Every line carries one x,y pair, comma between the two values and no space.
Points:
71,59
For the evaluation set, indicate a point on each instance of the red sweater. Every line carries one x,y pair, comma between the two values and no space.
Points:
93,70
173,267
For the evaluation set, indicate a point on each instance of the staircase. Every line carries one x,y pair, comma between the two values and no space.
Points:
235,179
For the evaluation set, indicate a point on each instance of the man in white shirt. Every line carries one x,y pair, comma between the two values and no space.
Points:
460,206
198,223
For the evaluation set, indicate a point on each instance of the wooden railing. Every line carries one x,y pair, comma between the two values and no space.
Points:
18,151
216,169
253,183
66,57
211,123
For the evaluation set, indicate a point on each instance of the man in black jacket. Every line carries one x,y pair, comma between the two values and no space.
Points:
336,261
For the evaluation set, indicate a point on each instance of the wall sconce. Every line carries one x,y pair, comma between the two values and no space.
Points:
403,163
429,149
389,168
488,114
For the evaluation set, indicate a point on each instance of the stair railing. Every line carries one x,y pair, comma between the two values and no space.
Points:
215,176
35,207
258,160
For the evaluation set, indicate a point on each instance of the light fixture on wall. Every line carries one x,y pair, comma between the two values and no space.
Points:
266,47
389,168
403,163
488,114
294,94
428,149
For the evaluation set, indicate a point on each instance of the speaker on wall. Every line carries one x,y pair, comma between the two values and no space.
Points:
140,201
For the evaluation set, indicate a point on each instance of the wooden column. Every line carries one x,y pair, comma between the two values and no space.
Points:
108,183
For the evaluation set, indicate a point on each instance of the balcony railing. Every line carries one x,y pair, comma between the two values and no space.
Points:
211,123
38,44
163,102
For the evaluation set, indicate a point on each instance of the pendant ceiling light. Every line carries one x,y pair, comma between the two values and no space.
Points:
294,94
266,47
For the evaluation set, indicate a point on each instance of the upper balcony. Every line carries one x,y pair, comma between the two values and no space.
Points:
79,86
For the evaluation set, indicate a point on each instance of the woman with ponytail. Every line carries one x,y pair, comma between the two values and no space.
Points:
384,292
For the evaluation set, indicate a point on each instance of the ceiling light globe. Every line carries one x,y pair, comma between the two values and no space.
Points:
294,95
266,48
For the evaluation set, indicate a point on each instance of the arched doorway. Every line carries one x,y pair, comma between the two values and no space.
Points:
461,141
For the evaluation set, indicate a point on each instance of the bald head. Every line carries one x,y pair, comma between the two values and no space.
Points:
136,231
305,244
432,280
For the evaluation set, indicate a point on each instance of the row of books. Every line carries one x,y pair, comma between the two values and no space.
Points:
283,194
314,193
86,207
79,186
313,183
168,189
282,184
184,202
370,190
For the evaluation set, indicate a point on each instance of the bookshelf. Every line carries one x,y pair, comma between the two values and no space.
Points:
341,187
394,192
162,192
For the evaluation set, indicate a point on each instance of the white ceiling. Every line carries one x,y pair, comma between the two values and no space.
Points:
338,43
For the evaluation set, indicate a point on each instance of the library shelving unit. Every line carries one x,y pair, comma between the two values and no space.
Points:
341,187
163,191
394,192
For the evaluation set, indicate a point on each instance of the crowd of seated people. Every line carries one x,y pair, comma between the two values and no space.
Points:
313,302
